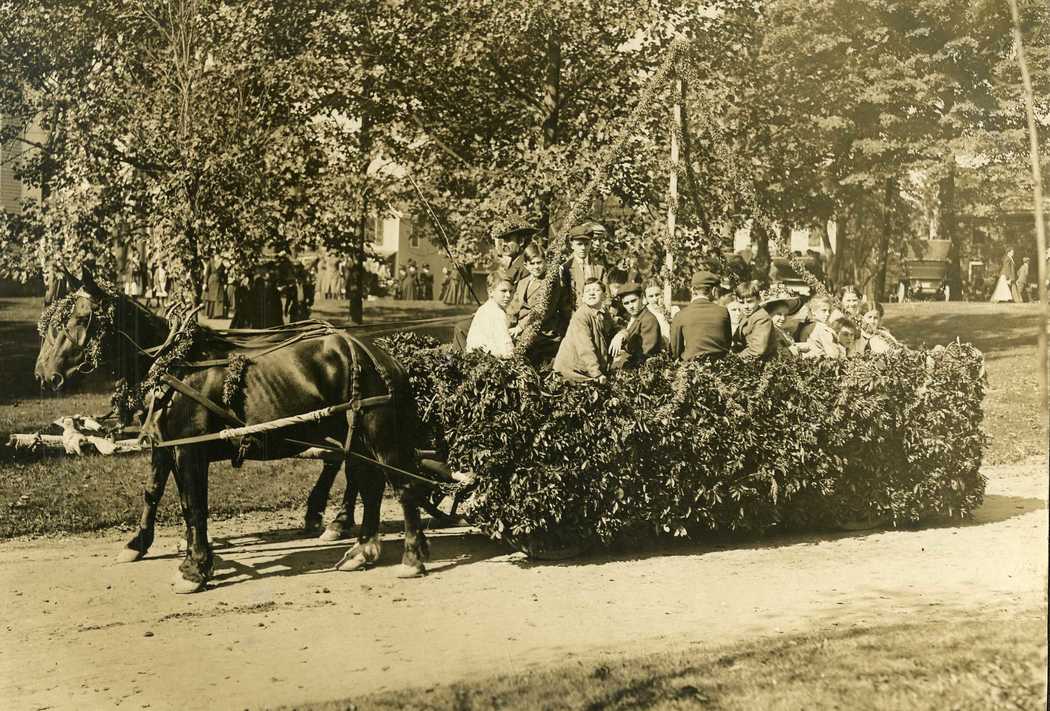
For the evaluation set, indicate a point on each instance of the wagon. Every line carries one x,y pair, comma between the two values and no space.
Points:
925,276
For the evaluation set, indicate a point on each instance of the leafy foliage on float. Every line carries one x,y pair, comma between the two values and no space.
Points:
724,447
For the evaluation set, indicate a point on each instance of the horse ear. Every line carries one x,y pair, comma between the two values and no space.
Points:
89,285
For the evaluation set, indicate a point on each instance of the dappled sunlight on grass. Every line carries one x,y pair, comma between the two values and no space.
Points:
943,661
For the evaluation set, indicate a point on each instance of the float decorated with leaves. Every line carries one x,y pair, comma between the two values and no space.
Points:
698,448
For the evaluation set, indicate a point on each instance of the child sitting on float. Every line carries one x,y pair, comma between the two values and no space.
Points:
490,329
654,301
822,342
846,332
524,307
760,332
851,301
582,356
873,338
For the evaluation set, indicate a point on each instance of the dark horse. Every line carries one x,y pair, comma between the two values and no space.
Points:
301,377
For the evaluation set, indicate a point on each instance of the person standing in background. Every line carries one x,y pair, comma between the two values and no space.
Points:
1005,286
581,267
446,282
426,283
1022,281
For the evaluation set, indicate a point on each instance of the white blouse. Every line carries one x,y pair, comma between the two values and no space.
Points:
490,332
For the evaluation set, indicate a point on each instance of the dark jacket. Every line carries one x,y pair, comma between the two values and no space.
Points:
555,319
642,340
574,274
759,336
701,328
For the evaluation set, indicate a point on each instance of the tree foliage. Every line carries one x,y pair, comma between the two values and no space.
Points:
218,128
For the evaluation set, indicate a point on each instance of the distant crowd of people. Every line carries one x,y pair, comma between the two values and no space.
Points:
597,320
414,283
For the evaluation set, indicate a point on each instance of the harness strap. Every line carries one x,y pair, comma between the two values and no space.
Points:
201,400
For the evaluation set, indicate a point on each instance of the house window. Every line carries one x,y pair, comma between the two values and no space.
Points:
413,240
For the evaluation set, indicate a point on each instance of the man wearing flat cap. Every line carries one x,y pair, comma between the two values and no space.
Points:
701,328
581,266
640,339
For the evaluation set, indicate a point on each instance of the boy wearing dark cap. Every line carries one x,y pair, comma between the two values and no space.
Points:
701,328
580,267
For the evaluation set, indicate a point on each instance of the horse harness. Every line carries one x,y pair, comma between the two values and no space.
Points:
237,429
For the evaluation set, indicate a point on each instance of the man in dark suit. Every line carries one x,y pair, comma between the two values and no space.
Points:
701,328
640,339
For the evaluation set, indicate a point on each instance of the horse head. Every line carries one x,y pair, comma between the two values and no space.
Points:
73,331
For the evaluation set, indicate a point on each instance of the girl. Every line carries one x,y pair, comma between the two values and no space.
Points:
490,330
873,338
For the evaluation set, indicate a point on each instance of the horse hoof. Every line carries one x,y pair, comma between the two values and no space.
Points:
183,586
330,535
129,555
409,571
357,562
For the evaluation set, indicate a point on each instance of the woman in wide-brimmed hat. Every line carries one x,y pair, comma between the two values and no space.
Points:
759,332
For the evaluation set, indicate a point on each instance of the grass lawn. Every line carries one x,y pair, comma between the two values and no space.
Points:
954,661
65,494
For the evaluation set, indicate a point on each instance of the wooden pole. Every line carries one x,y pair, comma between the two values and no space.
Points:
1040,224
672,200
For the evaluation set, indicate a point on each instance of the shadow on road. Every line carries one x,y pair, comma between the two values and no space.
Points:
289,552
995,509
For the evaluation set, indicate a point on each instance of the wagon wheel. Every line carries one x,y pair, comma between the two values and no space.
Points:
548,546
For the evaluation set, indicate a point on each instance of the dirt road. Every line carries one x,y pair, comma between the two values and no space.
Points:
78,631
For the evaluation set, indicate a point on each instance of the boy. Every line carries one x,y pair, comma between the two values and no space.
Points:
582,353
822,342
640,338
654,301
490,330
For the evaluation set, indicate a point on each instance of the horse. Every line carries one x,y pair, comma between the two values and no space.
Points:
303,376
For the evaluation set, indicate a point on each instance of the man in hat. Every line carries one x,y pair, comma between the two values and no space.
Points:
508,247
702,327
581,266
1022,280
640,338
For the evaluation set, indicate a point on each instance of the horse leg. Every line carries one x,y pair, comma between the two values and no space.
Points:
343,523
417,549
161,463
370,484
318,499
191,476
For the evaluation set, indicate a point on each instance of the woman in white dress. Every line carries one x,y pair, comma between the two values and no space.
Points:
1007,275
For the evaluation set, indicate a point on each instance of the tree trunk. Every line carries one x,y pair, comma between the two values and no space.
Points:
760,268
551,101
842,263
884,243
357,283
687,158
949,228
